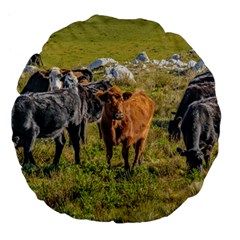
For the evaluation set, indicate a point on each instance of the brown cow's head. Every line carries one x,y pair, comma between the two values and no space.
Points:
113,99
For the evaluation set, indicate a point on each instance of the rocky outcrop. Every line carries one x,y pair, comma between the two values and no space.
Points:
101,62
119,73
142,57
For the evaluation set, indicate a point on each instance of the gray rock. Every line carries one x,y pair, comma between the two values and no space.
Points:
163,63
172,61
155,62
199,66
142,57
176,57
135,61
119,72
100,62
191,64
181,64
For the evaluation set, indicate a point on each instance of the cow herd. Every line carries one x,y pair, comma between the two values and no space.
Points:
56,100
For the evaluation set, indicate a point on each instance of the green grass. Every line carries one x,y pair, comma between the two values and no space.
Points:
83,42
93,191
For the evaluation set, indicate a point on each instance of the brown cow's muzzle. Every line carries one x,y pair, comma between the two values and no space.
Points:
118,115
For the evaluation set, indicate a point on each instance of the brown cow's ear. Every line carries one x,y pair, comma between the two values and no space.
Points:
127,95
102,96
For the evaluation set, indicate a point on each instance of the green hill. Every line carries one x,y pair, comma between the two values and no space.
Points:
82,42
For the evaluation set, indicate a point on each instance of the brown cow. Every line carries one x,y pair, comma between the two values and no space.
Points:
126,119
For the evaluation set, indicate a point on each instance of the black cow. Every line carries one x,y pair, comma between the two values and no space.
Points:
203,78
55,78
44,115
35,60
38,82
200,127
193,93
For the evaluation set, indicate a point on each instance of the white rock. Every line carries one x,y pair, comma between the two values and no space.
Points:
191,64
119,72
143,57
163,63
199,66
176,57
155,62
100,62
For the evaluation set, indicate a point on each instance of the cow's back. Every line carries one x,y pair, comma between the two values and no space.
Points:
139,108
36,83
138,112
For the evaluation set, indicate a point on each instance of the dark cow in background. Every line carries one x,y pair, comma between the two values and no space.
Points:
44,80
200,127
38,82
193,92
126,119
56,78
44,115
203,78
35,60
81,75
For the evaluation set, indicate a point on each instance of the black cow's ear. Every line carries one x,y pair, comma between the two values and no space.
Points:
179,122
103,96
127,95
181,151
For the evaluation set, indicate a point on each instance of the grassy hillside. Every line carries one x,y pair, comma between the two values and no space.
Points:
92,191
82,42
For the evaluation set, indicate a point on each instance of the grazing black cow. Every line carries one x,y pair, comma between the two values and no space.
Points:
193,93
200,127
35,60
203,78
44,115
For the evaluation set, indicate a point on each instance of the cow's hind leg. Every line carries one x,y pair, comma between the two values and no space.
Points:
28,147
74,133
59,144
138,151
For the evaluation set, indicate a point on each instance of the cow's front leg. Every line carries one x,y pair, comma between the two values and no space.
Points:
109,155
75,139
125,153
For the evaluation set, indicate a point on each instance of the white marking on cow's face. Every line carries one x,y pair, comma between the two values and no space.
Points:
55,79
70,80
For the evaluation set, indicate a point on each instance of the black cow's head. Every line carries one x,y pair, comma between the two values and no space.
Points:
194,157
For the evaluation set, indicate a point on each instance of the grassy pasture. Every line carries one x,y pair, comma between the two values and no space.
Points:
93,191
